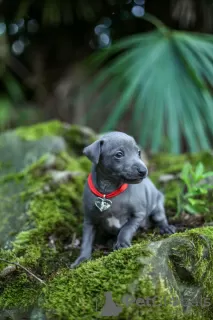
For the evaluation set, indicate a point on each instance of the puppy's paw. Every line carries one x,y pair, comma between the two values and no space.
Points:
78,261
121,244
167,229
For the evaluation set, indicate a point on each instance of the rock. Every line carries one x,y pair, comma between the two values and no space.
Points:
40,209
167,177
50,162
62,176
167,279
41,224
7,270
79,137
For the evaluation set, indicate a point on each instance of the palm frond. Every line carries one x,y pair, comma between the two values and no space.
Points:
168,75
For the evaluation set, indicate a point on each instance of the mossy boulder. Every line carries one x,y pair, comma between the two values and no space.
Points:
167,279
41,181
41,178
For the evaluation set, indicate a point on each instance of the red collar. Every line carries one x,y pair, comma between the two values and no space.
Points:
115,193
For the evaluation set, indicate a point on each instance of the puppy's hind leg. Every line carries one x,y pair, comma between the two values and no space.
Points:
159,219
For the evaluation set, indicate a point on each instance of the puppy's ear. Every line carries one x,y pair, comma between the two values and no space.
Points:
93,151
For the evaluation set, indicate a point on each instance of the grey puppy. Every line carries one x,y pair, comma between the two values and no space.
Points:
116,160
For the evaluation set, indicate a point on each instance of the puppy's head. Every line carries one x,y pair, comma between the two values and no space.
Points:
119,156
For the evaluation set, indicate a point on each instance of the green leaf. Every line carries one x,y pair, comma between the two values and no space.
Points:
199,171
158,23
208,174
185,173
195,202
162,76
207,186
202,191
190,209
191,194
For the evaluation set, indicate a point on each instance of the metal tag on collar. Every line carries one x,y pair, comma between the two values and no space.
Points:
103,204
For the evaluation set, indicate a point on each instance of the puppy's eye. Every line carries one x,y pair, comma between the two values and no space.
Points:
139,153
119,154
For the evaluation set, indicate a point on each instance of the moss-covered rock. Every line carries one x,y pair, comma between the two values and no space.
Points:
41,182
168,279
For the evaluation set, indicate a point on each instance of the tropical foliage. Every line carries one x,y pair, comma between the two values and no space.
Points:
163,78
195,189
166,76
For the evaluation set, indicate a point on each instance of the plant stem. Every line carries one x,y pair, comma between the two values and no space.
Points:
29,272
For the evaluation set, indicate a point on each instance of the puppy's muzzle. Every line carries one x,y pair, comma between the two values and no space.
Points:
142,172
136,174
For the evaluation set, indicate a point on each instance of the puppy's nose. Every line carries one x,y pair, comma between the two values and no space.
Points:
142,172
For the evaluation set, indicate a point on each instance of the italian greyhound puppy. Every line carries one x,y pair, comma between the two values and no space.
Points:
118,197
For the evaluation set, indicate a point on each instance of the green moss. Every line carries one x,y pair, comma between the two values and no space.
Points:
174,271
19,292
79,137
84,294
191,256
73,164
50,211
37,131
56,213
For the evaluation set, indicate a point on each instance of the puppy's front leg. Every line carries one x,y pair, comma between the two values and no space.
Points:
87,242
127,231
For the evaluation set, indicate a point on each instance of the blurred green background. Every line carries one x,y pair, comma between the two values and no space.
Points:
144,67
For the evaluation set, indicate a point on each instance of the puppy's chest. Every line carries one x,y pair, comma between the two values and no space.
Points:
114,213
